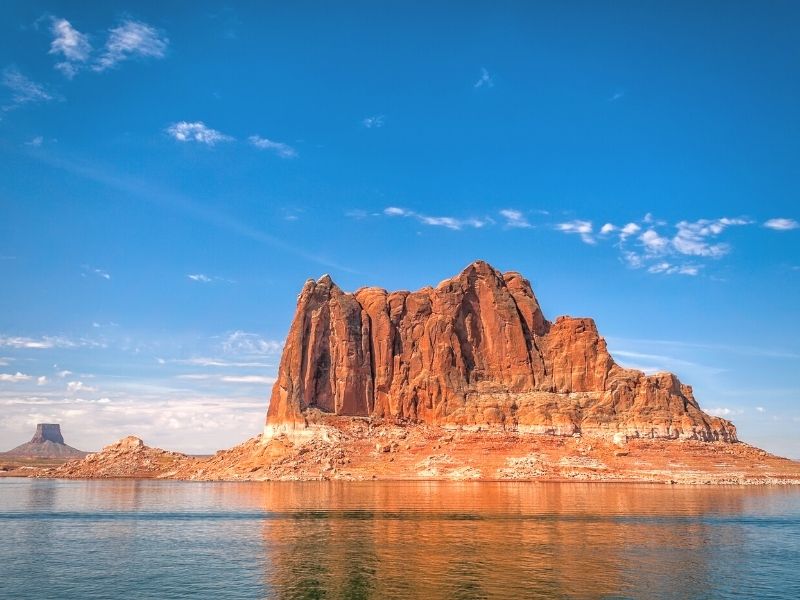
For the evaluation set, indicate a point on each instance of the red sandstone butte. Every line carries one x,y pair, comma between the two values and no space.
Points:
473,353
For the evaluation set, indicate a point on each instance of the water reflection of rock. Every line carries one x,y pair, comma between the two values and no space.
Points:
469,540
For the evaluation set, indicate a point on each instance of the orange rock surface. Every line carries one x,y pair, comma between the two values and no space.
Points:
473,353
129,457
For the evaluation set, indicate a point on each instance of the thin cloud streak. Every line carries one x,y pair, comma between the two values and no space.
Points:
182,204
279,148
743,350
23,90
452,223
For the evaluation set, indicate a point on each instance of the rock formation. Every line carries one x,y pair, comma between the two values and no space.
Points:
473,353
128,457
47,442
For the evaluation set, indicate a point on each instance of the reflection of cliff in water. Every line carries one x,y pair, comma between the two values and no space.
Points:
468,540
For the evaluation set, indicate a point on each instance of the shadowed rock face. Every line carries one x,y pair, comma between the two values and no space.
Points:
48,431
474,352
47,442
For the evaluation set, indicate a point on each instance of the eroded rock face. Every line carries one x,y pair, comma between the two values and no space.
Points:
474,352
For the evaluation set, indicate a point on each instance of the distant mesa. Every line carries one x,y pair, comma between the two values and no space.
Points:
47,442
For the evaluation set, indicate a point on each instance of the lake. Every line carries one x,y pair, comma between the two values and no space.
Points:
431,540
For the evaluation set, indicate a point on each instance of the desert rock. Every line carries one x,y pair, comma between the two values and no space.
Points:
473,353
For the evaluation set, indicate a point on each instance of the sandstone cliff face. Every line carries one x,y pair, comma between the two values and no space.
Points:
474,353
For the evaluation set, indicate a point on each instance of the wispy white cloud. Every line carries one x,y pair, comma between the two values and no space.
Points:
453,223
220,362
618,95
259,379
670,269
485,80
374,122
395,211
196,131
89,270
71,44
23,90
654,243
780,224
693,237
131,39
35,141
212,378
660,251
79,386
279,148
582,228
721,411
628,230
514,218
64,373
41,380
14,377
37,343
203,278
250,344
608,228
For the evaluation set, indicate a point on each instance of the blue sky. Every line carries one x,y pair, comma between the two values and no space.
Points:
170,175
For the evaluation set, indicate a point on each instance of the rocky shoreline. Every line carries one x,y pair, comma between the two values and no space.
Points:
359,450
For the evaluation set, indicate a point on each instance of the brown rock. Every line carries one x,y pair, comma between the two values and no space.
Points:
128,457
475,353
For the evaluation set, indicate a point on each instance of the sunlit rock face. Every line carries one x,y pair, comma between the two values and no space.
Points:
475,352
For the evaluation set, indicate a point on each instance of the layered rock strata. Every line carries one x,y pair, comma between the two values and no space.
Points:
475,352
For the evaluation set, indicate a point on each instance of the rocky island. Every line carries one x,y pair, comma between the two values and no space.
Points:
465,380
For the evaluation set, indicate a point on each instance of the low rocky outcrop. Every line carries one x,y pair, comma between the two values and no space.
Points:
129,457
474,353
47,442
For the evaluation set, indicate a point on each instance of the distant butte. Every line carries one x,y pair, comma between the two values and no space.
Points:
47,442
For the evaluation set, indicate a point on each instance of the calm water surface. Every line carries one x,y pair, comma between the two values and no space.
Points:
157,539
